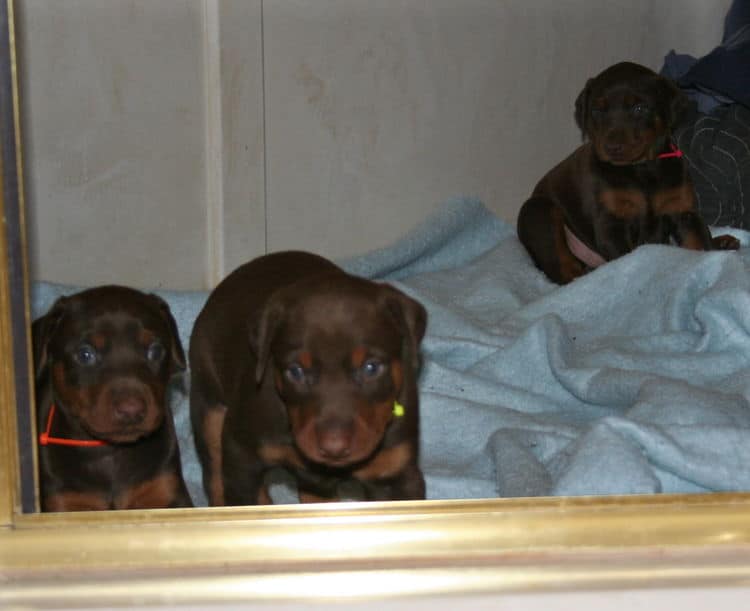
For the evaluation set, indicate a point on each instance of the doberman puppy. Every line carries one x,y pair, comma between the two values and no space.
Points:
103,360
297,364
627,185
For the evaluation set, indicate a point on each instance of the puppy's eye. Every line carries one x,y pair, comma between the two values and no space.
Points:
295,373
86,355
372,368
155,352
597,113
640,110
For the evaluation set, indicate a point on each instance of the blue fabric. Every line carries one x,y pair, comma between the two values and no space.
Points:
464,232
723,75
632,379
738,17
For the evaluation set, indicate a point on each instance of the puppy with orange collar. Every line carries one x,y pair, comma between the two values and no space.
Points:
627,185
104,358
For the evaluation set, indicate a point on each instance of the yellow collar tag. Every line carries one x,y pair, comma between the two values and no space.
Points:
398,409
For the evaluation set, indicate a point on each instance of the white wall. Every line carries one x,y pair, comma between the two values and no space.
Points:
167,141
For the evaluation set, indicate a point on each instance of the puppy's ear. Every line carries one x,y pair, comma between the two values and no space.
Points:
176,351
411,318
582,109
675,101
262,334
42,331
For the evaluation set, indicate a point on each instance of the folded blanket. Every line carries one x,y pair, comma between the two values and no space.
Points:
632,379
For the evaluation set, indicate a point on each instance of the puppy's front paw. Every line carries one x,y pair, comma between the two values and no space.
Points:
725,242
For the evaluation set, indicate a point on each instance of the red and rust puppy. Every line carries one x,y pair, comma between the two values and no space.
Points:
104,358
296,364
627,185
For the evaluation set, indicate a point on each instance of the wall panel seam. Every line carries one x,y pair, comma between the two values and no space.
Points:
214,151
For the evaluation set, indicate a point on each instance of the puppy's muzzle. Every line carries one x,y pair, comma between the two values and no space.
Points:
334,439
128,407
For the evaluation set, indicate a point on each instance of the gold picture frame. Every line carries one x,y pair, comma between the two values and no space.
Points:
348,551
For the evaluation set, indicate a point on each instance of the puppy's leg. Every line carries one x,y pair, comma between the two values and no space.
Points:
213,425
692,232
207,419
689,231
541,229
687,227
243,475
408,485
306,496
182,496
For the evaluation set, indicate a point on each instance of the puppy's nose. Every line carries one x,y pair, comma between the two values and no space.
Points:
334,440
614,150
129,409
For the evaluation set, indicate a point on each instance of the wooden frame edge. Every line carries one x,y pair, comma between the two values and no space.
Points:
364,551
349,552
12,215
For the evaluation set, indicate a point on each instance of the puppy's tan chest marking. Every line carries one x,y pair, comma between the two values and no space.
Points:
75,501
629,204
624,204
159,491
673,201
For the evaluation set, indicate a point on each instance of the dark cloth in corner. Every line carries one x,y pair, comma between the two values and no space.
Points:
717,148
723,75
715,135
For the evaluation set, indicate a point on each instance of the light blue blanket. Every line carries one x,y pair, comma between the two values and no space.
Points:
632,379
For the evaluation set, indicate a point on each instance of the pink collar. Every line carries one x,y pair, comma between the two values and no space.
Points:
582,252
673,152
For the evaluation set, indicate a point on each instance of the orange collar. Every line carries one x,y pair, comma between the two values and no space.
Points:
46,439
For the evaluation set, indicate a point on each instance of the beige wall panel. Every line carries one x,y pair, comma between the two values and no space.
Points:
145,119
241,233
114,133
376,111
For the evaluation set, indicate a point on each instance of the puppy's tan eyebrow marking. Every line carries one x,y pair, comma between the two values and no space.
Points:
358,356
601,103
98,340
305,359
